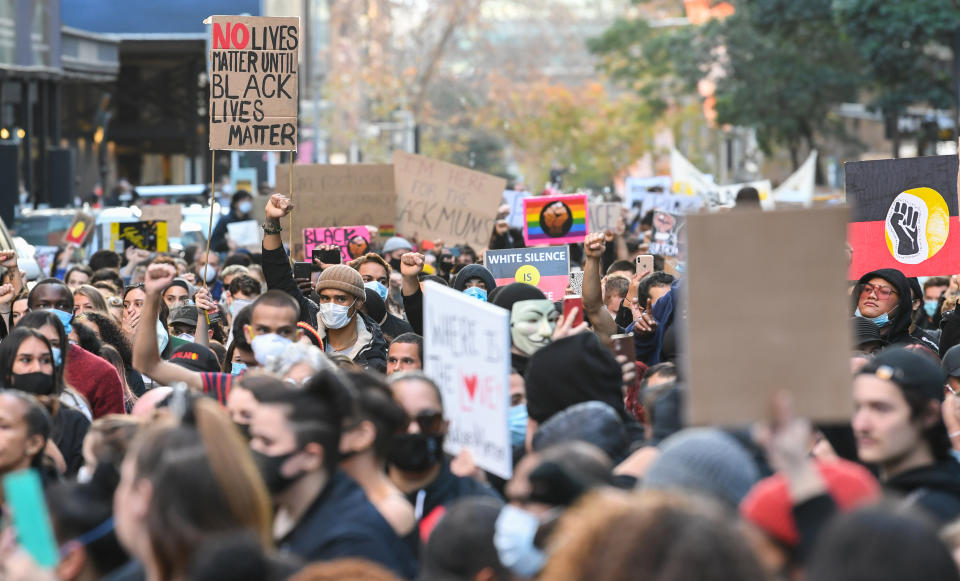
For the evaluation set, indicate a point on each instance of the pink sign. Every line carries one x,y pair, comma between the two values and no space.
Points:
354,241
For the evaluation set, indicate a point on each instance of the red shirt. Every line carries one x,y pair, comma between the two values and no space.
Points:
96,379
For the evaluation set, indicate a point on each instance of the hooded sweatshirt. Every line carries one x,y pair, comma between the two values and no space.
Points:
934,488
898,331
474,271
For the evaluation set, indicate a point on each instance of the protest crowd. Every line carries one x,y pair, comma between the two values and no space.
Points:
476,383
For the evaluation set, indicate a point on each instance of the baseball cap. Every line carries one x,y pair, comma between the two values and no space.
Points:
186,315
910,370
951,361
195,358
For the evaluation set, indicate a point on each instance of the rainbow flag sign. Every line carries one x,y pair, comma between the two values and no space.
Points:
554,219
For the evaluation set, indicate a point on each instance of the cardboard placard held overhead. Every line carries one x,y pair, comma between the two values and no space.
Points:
254,82
79,229
665,237
438,200
547,268
150,236
794,335
555,219
467,348
172,214
604,216
904,216
329,196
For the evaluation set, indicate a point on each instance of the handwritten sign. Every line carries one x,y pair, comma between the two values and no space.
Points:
172,214
604,216
340,195
79,229
438,200
467,347
555,219
150,236
254,82
547,268
354,241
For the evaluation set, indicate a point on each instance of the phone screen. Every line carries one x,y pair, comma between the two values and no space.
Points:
327,256
302,269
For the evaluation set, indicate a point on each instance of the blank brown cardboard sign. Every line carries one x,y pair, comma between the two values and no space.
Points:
328,196
172,214
442,201
254,82
768,309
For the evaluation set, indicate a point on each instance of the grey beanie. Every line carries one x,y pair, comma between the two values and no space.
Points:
704,460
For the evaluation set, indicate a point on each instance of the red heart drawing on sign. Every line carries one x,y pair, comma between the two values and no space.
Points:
471,383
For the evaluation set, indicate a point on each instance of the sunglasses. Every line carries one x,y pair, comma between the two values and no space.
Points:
429,421
883,292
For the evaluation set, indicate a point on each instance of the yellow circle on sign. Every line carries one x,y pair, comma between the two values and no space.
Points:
528,274
78,230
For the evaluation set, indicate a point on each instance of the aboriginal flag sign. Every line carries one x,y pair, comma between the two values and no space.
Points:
904,216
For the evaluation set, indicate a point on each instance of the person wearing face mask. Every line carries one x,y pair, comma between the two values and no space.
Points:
27,365
475,276
241,206
207,269
272,328
415,459
533,317
928,315
242,291
341,325
89,374
884,297
322,514
393,249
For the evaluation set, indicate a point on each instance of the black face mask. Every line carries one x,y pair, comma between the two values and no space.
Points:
415,452
36,383
269,468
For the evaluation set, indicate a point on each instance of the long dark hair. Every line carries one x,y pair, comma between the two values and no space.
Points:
110,334
11,345
37,319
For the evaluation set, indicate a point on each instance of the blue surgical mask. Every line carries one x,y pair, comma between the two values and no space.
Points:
930,307
57,356
269,346
377,287
476,292
513,537
236,368
881,321
518,424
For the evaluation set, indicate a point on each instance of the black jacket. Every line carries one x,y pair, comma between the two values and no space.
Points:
69,429
341,523
898,331
279,275
446,489
934,488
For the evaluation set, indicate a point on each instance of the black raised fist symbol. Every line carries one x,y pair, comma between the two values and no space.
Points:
904,222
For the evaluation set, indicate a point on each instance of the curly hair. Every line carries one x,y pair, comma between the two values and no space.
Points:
110,334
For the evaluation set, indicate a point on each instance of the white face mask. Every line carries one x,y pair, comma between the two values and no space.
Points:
268,346
244,207
209,273
238,305
335,316
185,337
162,337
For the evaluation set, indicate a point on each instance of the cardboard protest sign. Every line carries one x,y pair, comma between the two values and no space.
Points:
172,214
254,82
340,195
667,229
904,216
245,233
354,241
547,268
604,216
79,229
795,335
151,235
438,200
514,199
467,347
555,219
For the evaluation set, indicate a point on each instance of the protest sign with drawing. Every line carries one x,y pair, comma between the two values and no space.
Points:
254,93
547,268
904,215
79,229
354,241
665,238
778,332
467,347
439,200
555,219
150,235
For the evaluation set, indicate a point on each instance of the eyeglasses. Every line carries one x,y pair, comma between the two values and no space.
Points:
883,292
429,421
